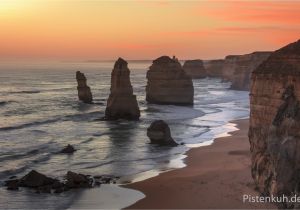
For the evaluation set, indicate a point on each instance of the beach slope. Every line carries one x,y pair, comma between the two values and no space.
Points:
216,176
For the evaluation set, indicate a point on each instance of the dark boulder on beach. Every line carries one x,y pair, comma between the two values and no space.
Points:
69,149
168,83
36,179
84,91
121,103
160,133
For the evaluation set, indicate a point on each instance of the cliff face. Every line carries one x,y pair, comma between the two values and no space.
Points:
274,132
168,83
214,68
195,69
121,104
84,91
237,68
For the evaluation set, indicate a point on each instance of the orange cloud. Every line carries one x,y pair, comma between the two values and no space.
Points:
270,12
274,35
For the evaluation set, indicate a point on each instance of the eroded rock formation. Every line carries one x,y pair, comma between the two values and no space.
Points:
195,69
160,133
41,183
274,131
214,67
36,179
84,91
168,83
238,69
74,180
121,104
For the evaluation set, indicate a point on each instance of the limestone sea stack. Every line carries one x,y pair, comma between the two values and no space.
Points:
168,83
121,104
274,132
84,91
195,69
238,68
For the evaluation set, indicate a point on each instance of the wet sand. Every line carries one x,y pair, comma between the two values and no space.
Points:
216,176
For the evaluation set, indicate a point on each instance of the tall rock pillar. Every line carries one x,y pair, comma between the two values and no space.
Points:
121,104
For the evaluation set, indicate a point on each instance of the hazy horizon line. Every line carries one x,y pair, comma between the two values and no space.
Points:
83,60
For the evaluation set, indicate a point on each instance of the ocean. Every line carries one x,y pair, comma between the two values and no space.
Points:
40,114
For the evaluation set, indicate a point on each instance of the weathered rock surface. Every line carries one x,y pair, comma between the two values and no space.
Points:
238,68
12,184
160,133
274,132
43,184
121,104
168,83
195,69
35,179
69,149
214,67
84,91
75,180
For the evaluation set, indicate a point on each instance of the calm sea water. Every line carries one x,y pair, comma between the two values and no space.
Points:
40,114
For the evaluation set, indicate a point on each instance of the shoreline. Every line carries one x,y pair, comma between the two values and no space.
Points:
90,198
215,176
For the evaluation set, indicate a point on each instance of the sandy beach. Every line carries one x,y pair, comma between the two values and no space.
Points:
216,176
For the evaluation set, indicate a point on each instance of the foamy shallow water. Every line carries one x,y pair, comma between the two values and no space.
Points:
106,197
40,114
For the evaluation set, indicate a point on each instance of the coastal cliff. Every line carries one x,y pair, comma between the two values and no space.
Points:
274,132
195,69
238,68
168,83
121,104
214,67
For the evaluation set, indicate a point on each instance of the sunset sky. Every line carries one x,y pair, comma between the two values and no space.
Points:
138,29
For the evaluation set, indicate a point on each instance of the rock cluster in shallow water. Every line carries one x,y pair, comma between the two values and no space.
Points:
43,184
274,131
168,83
